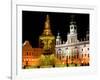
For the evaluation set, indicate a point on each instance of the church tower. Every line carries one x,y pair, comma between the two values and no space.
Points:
72,36
47,40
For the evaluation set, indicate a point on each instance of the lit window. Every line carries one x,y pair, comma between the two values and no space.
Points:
32,60
59,51
29,59
24,60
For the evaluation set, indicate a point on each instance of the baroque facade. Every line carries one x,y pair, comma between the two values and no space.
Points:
73,48
30,56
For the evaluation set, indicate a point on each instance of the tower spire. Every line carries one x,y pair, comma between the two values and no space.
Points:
47,40
47,30
72,19
73,25
47,22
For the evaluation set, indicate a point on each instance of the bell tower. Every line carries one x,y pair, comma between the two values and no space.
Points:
47,40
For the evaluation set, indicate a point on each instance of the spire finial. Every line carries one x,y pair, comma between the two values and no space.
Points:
58,35
47,30
47,22
72,19
47,17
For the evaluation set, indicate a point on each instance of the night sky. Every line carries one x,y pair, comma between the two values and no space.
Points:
33,25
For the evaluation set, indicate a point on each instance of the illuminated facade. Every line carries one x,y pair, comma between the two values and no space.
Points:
73,50
52,52
30,56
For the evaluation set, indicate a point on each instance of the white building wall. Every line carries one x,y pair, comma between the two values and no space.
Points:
68,50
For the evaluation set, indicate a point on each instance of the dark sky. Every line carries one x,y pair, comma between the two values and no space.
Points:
33,24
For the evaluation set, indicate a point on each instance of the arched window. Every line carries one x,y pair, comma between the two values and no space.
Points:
66,48
59,51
